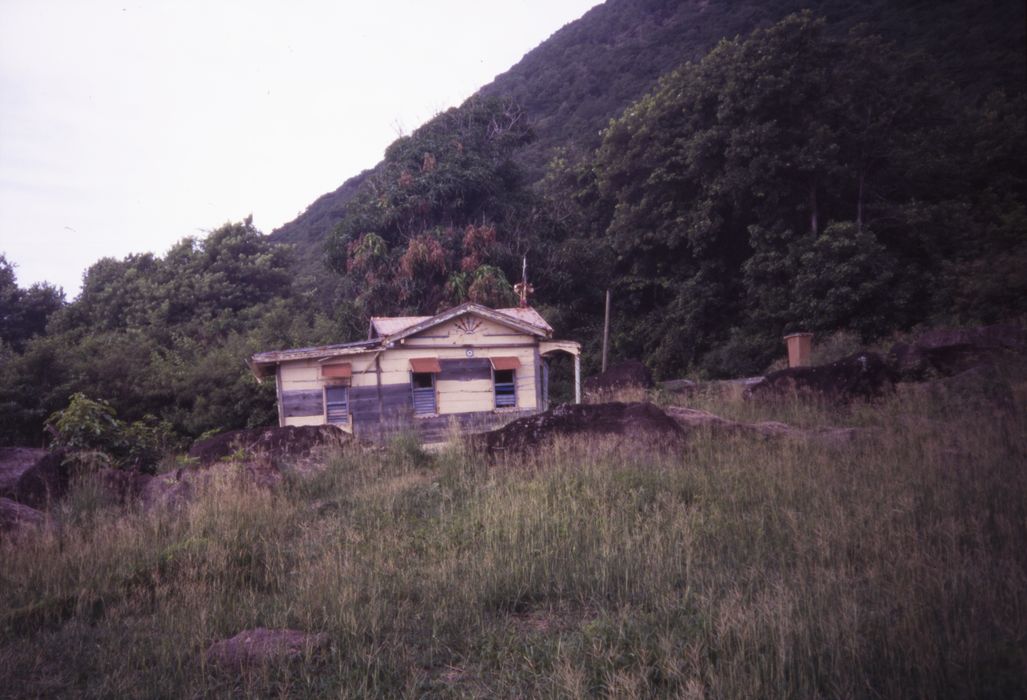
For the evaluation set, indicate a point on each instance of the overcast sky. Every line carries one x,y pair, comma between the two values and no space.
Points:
125,126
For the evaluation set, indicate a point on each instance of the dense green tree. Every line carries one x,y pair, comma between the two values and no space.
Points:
200,282
24,313
845,281
447,200
795,178
165,337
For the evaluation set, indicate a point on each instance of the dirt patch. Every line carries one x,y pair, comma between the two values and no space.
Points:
275,443
635,420
863,375
623,375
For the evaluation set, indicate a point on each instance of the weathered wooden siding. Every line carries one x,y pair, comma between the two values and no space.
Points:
302,402
394,406
465,369
440,428
302,388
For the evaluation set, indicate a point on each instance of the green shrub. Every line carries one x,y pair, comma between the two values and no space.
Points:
92,426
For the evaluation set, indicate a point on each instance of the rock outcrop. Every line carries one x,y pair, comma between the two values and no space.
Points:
175,489
275,443
16,516
693,418
948,352
863,375
639,420
45,480
15,461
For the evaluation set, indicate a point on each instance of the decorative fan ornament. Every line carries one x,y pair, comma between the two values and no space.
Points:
468,325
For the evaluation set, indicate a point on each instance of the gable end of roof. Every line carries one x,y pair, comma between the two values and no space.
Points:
478,310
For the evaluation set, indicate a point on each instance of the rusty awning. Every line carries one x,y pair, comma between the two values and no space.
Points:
338,370
505,362
425,364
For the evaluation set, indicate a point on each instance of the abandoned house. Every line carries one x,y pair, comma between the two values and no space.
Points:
469,366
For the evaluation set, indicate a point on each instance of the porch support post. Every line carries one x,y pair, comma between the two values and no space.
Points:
577,379
278,396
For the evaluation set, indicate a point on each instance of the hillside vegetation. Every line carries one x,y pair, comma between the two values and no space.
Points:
590,70
793,178
892,566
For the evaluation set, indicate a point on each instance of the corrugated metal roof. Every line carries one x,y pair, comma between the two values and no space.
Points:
387,325
526,314
262,360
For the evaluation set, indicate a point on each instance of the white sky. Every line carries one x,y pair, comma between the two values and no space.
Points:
125,126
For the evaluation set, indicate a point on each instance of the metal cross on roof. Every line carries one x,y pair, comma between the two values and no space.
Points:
522,288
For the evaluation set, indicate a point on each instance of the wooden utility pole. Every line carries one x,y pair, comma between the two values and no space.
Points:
606,329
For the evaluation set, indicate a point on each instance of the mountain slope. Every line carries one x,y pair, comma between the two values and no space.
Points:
590,70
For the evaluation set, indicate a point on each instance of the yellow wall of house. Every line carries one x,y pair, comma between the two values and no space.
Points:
305,375
465,396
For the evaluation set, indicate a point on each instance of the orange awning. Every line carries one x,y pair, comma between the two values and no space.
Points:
340,370
425,364
505,362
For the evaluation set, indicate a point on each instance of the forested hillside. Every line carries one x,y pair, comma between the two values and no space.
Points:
589,71
729,170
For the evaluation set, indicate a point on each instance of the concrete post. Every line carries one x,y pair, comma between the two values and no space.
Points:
577,379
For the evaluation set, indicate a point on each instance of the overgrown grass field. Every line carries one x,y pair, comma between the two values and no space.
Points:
894,565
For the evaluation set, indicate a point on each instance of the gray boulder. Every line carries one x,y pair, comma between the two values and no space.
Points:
863,375
946,352
16,516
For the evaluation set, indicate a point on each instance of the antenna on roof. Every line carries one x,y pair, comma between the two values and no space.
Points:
523,288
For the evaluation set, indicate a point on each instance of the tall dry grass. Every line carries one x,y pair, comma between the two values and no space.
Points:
894,566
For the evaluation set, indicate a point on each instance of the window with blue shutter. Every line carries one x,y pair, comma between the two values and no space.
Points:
505,386
423,384
337,404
